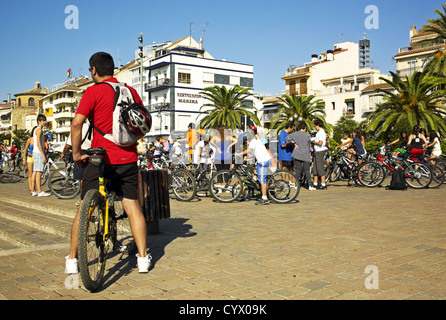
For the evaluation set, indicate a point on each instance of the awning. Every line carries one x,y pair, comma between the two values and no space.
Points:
270,108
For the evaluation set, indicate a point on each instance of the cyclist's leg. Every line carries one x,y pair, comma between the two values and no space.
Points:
137,224
125,185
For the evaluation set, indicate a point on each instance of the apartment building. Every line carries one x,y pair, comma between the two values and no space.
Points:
336,76
421,49
177,72
6,108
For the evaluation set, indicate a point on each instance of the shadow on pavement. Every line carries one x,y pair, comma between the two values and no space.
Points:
170,229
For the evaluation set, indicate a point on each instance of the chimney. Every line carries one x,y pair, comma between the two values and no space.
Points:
201,43
413,31
153,49
9,98
314,58
330,55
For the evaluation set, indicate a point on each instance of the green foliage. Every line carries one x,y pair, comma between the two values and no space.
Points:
443,146
297,108
343,124
371,146
227,107
414,100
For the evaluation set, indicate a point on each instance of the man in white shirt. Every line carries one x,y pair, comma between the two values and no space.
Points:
319,154
263,162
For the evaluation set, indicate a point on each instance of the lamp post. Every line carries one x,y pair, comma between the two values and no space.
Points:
141,56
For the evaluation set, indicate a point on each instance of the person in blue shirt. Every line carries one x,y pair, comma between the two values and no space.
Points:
285,149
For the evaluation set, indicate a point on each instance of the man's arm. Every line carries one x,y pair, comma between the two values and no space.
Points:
39,145
76,138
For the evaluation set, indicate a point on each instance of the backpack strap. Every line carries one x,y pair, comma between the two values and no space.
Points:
114,86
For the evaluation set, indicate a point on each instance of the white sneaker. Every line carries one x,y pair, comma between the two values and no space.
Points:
43,194
144,263
310,188
71,265
33,194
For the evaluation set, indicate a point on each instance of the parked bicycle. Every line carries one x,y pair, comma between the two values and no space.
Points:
61,181
417,174
7,177
240,183
46,169
103,227
181,180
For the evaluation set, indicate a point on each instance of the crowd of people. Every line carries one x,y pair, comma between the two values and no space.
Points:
299,150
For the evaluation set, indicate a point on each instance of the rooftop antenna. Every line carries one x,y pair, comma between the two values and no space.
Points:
341,35
190,32
364,34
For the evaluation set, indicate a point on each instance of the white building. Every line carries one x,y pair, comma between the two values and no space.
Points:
59,108
177,73
338,79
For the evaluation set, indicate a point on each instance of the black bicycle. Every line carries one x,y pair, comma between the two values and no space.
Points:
240,182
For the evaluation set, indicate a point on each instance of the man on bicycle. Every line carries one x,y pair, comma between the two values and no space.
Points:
120,162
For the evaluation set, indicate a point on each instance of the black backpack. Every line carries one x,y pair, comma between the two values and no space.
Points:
398,181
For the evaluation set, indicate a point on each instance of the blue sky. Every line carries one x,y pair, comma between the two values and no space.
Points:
270,35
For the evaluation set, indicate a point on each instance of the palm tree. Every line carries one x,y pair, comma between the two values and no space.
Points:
413,100
228,106
437,65
295,108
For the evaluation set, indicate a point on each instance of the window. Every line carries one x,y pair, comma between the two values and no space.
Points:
334,105
208,77
350,106
411,67
31,102
184,77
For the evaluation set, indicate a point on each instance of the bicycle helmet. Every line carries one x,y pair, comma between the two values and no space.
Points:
137,119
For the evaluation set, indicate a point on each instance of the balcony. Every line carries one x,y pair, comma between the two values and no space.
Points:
63,114
268,116
67,100
157,84
159,106
408,71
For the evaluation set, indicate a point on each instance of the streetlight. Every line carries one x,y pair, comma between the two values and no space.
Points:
141,55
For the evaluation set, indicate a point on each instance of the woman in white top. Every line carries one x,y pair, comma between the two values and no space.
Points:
435,144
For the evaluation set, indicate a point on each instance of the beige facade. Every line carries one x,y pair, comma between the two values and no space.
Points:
421,49
26,103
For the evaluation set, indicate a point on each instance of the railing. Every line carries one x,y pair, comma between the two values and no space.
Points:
159,106
408,71
298,71
157,83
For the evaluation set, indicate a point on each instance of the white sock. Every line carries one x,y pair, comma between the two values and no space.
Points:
264,198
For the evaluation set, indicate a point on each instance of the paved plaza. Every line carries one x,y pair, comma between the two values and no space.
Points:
342,243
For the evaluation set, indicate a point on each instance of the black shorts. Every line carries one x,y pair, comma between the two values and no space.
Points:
123,179
287,163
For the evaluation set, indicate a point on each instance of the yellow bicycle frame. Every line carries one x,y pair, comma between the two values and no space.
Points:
104,194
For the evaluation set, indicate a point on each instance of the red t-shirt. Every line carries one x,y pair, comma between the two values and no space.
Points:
97,103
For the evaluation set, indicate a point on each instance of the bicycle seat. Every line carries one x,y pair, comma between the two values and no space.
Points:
98,151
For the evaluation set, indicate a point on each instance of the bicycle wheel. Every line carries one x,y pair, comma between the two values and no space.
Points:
121,232
92,250
9,178
418,175
25,172
45,175
438,176
62,184
6,166
225,186
370,174
282,187
183,185
19,164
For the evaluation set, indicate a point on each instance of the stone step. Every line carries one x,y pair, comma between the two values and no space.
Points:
24,227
